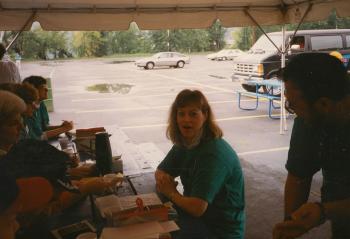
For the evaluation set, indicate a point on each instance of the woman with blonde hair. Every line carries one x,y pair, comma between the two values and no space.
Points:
212,204
11,108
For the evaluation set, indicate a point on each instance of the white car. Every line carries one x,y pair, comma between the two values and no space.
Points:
171,59
225,54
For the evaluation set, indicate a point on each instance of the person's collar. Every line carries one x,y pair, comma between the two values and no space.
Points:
195,141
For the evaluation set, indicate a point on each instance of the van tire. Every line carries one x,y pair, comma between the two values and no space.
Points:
249,88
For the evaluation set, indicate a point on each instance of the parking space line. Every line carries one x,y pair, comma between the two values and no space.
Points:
149,107
134,96
191,82
244,117
218,120
263,151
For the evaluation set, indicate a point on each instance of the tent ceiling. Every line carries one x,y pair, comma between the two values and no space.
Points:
160,14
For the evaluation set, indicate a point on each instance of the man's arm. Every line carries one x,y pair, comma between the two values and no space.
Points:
65,127
296,193
337,209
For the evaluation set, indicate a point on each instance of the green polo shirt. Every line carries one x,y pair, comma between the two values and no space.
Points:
39,122
211,171
327,149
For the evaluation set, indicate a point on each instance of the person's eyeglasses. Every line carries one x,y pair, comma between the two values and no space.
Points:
289,107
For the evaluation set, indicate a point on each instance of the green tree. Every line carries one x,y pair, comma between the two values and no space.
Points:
39,44
88,43
184,40
216,36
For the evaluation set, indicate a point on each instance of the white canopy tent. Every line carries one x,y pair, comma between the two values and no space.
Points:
68,15
84,15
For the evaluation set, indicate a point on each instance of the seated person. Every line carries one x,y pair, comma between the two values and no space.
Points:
36,158
30,96
11,108
212,205
20,196
40,120
8,70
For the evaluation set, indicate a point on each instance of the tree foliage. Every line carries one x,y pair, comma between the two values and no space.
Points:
39,44
86,44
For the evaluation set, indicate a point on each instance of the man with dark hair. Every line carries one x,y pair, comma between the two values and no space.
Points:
318,92
8,70
40,122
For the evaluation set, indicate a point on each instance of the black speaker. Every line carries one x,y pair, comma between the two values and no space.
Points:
103,153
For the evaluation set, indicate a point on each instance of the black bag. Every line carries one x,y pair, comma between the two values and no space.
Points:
35,158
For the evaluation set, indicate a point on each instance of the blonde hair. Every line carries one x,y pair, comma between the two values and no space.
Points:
192,97
10,106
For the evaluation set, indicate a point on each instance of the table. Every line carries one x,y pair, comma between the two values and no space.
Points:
271,86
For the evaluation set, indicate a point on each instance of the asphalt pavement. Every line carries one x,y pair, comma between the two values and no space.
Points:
134,104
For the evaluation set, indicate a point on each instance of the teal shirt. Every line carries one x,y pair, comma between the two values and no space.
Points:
39,122
27,131
211,171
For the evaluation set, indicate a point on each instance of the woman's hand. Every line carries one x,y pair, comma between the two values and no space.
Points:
161,175
166,185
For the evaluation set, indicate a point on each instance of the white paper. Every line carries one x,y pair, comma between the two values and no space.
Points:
113,203
148,199
135,231
148,230
169,226
108,203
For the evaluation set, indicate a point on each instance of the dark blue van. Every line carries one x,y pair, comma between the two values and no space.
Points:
263,60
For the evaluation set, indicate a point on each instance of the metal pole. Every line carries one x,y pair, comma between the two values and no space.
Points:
262,30
299,24
168,40
283,121
30,19
2,34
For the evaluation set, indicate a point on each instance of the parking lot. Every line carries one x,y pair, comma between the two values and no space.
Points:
136,113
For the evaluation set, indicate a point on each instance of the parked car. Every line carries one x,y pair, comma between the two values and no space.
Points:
171,59
263,60
225,54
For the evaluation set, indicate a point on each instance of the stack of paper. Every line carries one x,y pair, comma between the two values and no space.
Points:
113,203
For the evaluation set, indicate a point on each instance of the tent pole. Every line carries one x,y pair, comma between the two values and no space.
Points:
283,121
299,24
283,117
261,29
30,19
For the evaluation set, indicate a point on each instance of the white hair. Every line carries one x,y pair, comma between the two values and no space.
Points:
10,105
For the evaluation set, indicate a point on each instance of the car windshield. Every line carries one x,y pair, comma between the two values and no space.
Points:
178,55
158,55
264,44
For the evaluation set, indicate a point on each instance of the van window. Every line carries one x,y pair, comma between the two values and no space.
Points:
299,40
326,42
347,41
264,44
